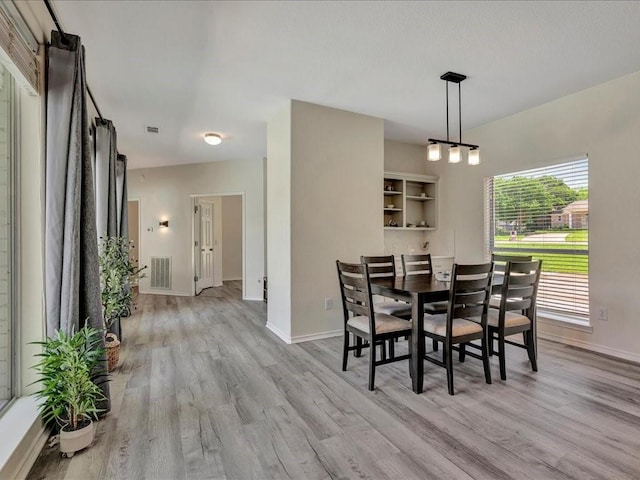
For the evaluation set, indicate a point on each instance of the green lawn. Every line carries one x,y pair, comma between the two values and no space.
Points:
553,262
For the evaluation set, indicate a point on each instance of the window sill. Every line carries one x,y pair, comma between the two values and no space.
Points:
17,424
564,321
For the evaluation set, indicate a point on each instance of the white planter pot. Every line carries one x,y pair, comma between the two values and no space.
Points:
71,442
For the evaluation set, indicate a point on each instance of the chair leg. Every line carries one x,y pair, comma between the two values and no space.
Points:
345,351
392,349
358,351
372,364
531,349
502,356
383,348
448,359
463,351
485,360
434,342
491,340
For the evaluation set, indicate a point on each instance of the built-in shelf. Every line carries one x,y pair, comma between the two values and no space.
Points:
414,200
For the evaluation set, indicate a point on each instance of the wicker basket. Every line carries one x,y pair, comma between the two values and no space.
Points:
112,345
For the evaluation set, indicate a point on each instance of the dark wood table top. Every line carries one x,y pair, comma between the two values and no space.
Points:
405,286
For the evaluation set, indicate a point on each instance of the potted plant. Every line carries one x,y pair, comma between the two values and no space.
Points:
117,272
68,371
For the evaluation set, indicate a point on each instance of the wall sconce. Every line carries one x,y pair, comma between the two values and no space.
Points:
164,223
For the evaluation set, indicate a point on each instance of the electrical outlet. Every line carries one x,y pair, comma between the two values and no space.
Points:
328,303
603,314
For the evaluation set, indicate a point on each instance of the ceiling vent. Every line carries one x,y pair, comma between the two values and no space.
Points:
152,129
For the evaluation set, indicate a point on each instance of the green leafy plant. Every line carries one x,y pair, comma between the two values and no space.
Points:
117,273
69,373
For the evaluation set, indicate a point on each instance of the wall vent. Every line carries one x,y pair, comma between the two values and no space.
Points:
152,129
161,273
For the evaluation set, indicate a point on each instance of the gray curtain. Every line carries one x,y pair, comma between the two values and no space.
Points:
72,289
105,169
111,188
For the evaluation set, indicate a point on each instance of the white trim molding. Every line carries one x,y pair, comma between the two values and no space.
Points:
304,338
22,439
612,352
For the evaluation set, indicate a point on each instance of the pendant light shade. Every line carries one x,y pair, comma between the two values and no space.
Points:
433,152
474,156
454,154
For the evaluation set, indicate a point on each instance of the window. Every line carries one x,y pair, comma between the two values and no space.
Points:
6,236
544,212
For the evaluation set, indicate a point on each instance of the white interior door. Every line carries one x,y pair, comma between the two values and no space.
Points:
205,279
196,246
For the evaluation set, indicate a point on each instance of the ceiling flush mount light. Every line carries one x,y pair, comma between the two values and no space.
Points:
212,138
455,152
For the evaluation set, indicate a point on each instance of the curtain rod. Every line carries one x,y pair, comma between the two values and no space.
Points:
57,24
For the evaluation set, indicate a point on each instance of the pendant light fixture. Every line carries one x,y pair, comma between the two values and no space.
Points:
434,149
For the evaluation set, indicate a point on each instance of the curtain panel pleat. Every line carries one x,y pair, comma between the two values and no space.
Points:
72,289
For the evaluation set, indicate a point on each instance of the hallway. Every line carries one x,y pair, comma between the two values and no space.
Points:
205,391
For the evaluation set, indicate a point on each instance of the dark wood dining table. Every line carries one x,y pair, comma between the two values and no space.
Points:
418,290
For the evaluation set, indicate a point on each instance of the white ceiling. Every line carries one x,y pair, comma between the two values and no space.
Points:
228,67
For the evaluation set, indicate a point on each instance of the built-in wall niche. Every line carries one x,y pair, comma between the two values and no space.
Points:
410,201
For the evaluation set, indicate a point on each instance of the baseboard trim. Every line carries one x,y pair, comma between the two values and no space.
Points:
316,336
231,279
253,299
612,352
279,333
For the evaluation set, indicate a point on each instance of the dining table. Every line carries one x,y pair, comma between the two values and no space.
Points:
417,290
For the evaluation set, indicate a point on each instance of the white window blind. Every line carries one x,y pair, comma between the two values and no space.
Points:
544,212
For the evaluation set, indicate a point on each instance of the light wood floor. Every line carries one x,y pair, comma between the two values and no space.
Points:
205,391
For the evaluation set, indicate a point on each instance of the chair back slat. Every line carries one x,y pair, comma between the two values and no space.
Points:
417,264
380,266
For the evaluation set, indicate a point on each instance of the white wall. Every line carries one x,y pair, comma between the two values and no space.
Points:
279,223
164,192
603,122
232,237
336,169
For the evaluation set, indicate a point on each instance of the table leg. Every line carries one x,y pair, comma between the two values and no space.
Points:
417,341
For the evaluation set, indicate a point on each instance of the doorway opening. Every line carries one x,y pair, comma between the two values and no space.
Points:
218,242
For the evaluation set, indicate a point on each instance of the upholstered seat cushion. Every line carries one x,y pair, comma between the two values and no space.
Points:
437,324
399,309
511,319
384,323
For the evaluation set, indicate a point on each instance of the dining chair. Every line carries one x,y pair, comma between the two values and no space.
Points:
385,266
465,320
420,264
516,312
362,322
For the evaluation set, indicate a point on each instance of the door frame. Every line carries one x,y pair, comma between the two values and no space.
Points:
194,197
